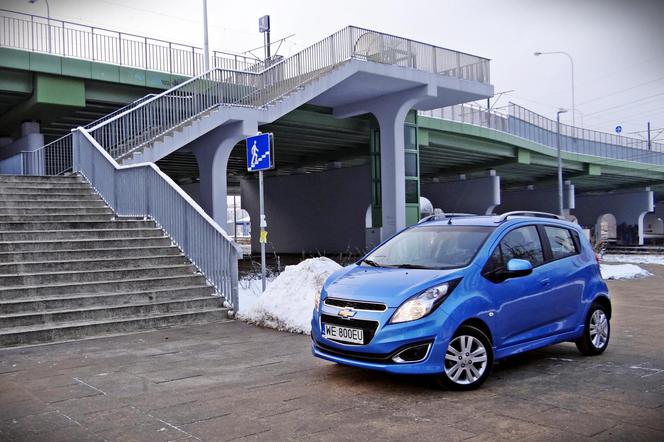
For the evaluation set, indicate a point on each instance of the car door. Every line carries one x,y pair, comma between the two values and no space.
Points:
520,304
565,268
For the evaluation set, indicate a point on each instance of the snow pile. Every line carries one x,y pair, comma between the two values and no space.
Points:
288,301
623,271
635,259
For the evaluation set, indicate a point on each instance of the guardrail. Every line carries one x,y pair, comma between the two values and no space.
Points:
531,126
144,190
40,34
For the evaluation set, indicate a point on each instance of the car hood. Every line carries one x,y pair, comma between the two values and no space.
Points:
387,285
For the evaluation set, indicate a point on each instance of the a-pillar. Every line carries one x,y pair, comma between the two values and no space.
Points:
628,207
477,195
390,111
212,151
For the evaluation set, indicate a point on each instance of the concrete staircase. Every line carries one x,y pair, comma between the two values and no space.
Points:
70,269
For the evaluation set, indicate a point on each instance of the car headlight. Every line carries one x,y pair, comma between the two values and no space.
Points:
317,301
424,303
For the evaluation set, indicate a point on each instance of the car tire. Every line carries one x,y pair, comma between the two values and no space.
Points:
596,332
468,360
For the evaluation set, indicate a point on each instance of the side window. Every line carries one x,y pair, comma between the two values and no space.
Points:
523,243
495,261
561,242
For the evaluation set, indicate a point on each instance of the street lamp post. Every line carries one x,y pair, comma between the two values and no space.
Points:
48,21
560,163
571,61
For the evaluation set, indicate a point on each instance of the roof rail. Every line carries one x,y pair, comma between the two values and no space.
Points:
506,215
438,216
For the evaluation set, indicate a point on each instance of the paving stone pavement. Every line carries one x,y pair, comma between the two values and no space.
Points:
230,380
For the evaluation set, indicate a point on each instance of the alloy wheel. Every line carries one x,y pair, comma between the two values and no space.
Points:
465,360
599,329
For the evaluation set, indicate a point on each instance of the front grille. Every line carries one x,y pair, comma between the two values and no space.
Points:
369,327
357,305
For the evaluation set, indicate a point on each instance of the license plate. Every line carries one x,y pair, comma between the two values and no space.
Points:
344,334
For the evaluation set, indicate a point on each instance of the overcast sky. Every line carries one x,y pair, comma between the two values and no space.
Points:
617,45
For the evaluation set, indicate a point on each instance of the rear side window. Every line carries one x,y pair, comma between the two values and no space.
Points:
521,243
561,241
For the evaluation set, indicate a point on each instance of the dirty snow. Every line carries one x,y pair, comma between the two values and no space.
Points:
635,259
288,301
623,271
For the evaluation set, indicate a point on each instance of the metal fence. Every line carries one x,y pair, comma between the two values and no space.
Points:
144,190
529,125
41,34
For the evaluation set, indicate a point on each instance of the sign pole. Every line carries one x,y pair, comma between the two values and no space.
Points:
263,225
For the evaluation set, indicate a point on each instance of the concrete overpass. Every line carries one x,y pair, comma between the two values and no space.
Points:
329,143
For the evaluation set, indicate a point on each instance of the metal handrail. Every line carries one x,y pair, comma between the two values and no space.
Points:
523,123
144,190
36,33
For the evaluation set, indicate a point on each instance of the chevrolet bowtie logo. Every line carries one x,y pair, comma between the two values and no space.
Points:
347,313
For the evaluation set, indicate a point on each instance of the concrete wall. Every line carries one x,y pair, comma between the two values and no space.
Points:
312,213
543,199
629,208
478,195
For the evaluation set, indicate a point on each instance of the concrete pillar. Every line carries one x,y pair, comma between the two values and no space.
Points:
629,209
478,195
212,151
539,199
390,111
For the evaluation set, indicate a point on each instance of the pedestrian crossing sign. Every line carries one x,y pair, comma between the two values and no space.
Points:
259,153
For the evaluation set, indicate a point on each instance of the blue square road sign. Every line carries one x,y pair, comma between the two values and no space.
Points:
259,153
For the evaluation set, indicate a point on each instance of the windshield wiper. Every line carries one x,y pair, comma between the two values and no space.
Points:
371,263
413,266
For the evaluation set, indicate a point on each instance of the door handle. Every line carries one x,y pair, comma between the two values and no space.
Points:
545,282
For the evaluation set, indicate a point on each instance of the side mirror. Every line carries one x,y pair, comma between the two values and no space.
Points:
518,267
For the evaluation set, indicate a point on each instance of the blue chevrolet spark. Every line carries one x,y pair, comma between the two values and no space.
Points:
451,295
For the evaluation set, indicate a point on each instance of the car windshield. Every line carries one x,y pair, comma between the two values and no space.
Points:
430,247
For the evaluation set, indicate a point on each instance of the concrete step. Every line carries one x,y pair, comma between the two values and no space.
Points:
65,217
69,203
25,179
55,211
120,286
83,244
18,268
37,235
49,196
74,255
29,225
10,282
105,313
81,189
46,185
87,300
82,329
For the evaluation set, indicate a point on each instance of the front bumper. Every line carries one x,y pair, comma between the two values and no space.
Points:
388,340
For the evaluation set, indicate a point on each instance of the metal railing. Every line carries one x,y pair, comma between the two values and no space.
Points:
531,126
144,190
54,158
41,34
124,133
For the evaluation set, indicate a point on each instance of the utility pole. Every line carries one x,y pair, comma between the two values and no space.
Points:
206,47
560,163
649,144
264,28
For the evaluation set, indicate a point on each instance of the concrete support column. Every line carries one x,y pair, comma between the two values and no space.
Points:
477,195
390,111
629,208
212,151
